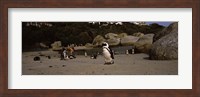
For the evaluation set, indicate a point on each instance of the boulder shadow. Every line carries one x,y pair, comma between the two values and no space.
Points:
146,58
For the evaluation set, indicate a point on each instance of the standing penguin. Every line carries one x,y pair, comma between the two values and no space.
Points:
63,54
107,53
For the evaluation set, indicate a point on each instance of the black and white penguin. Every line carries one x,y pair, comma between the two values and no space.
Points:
93,56
108,53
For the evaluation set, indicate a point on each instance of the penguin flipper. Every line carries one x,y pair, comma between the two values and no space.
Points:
111,53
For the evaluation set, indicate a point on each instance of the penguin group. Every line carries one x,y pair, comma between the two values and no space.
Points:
68,54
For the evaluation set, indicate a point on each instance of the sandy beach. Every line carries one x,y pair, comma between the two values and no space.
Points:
132,64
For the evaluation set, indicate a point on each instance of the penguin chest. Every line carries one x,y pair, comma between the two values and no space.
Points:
106,54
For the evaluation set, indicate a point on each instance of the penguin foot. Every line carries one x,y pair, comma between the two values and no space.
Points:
109,63
106,63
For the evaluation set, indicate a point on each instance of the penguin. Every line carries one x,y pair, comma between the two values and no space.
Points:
93,56
49,57
63,54
127,52
107,53
85,54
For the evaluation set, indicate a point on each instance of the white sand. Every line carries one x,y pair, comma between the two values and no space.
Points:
136,64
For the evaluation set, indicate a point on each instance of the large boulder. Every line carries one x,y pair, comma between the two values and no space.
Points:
42,45
139,34
121,35
166,48
98,40
111,36
129,40
143,45
113,41
57,45
172,28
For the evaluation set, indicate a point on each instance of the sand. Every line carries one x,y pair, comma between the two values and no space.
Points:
132,64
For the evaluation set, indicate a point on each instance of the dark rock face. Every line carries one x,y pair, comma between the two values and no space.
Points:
172,28
85,37
166,48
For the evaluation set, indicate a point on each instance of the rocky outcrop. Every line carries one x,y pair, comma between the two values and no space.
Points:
172,28
139,34
143,45
111,36
57,45
113,41
121,35
129,40
98,40
166,48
